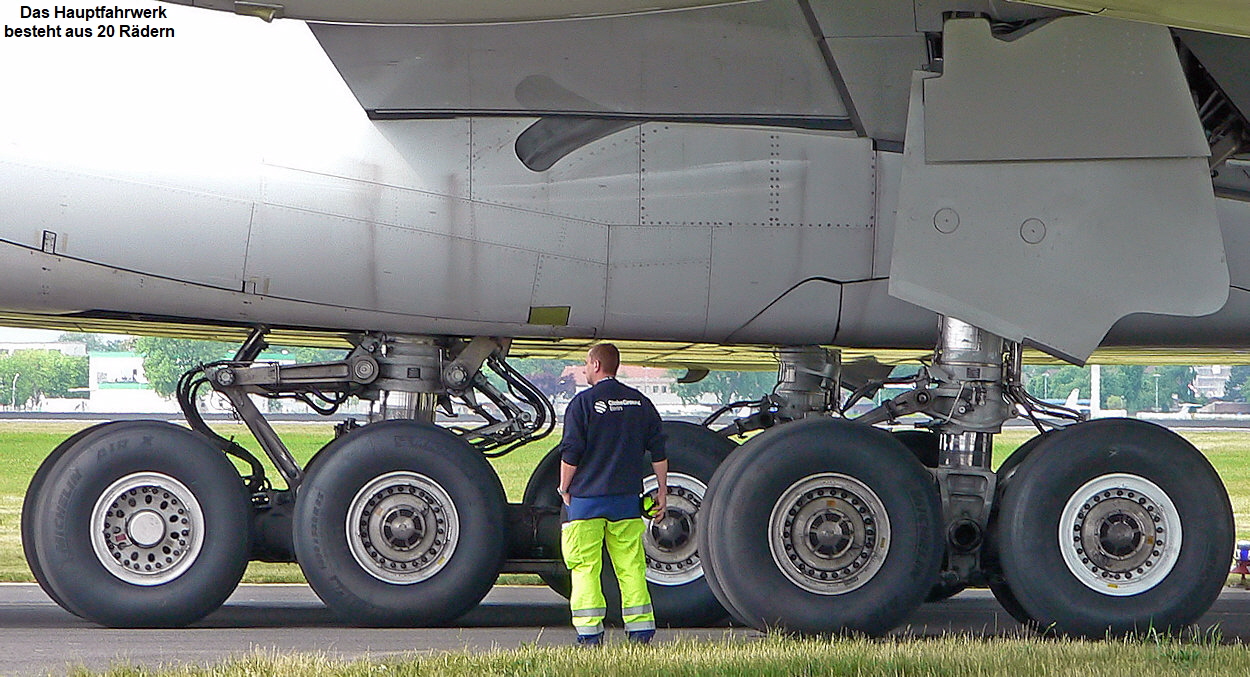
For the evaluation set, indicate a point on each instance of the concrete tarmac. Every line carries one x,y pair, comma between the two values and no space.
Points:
37,637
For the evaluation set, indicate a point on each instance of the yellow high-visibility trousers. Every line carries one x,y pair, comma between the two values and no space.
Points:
582,542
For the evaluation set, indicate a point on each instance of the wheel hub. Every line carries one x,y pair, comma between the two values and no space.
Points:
829,533
1119,534
673,531
402,527
147,528
670,543
832,534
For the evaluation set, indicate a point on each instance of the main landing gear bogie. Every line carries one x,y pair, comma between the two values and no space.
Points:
822,526
141,524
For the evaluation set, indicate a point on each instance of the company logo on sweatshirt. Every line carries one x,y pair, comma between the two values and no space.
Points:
604,406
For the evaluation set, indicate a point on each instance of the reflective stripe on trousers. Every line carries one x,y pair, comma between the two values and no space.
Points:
582,542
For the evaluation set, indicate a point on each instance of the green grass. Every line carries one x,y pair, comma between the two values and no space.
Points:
771,656
23,446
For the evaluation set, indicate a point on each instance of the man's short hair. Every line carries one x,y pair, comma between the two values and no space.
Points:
609,357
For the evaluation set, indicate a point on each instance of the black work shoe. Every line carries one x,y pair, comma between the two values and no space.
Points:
641,636
590,641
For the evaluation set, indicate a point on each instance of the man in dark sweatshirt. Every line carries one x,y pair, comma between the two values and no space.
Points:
608,431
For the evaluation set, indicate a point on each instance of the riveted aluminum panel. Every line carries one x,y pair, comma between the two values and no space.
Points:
154,229
597,184
757,58
1078,88
750,176
580,285
658,281
338,261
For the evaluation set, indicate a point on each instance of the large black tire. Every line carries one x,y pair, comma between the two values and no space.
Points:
989,551
32,515
132,480
924,445
823,492
1115,526
427,533
679,590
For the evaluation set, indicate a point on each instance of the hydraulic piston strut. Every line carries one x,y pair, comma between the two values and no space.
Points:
969,407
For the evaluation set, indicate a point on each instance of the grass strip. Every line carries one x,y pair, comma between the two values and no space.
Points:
764,656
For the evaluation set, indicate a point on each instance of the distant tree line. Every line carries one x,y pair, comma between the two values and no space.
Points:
28,376
1132,387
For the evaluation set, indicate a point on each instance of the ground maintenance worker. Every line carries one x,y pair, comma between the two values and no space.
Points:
608,431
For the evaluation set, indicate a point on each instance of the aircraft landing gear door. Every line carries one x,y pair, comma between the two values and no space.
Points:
1027,211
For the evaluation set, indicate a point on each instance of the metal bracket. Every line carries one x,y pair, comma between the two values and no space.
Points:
967,496
458,374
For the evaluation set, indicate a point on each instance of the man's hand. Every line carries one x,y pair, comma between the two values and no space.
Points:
661,504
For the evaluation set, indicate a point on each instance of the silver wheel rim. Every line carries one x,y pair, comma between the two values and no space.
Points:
402,528
147,528
1120,534
671,545
829,533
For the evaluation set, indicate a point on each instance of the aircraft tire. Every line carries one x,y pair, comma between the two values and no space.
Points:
31,512
995,580
924,445
426,534
1145,528
847,498
131,480
679,590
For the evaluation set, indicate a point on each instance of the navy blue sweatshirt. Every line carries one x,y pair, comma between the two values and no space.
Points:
608,431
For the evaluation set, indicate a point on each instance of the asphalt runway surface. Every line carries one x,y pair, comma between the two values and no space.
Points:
38,637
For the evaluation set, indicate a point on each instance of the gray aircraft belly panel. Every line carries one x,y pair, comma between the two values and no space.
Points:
155,229
871,318
433,213
578,285
806,314
362,201
338,261
658,281
597,183
755,266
